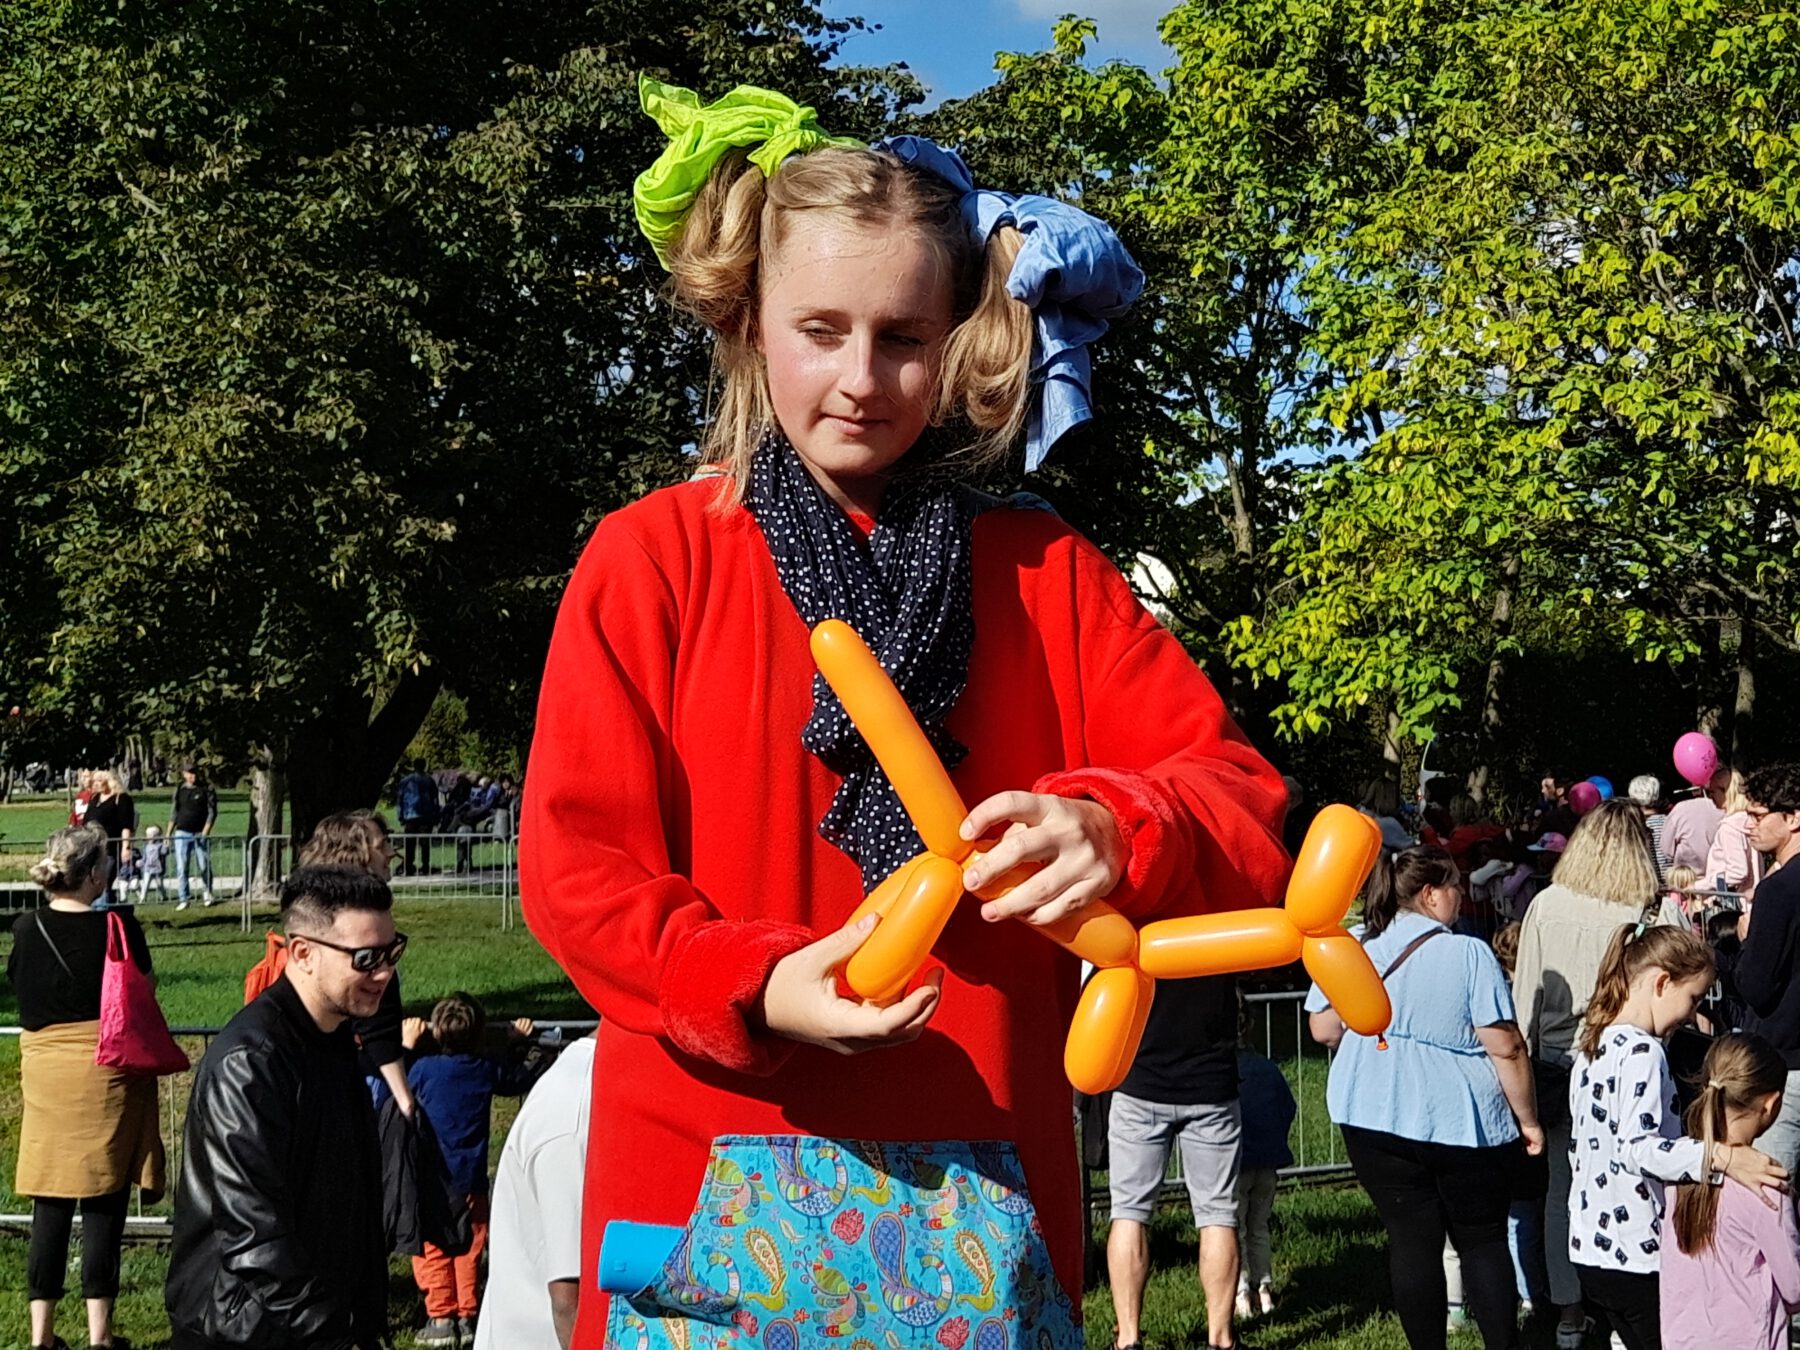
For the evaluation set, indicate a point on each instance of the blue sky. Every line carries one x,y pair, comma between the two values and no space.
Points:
950,44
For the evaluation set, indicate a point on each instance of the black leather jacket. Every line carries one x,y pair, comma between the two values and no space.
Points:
278,1240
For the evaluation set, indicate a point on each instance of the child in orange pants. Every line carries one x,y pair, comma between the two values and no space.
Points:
455,1089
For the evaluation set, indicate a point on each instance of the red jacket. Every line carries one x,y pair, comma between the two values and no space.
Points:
670,853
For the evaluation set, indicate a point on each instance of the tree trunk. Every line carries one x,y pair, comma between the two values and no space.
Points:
343,761
262,858
1743,711
1481,774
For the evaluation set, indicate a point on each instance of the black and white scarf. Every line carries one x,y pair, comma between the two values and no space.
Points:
907,589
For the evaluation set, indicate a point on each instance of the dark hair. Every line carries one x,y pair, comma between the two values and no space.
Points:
315,896
1740,1069
1776,786
457,1023
1394,885
1633,950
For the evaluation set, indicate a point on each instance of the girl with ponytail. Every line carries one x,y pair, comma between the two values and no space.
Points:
1732,1275
1628,1142
882,329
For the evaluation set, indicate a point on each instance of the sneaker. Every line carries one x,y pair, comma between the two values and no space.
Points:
1572,1337
1455,1319
1616,1342
437,1331
1245,1311
209,902
181,905
1265,1295
465,1327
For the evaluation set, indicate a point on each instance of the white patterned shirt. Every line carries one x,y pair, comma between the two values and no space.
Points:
1625,1143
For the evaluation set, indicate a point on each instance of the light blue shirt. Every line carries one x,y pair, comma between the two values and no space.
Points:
1434,1082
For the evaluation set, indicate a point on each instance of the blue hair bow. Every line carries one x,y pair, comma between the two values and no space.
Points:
1072,271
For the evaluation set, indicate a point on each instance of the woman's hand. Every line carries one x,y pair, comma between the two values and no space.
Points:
1750,1167
800,999
1533,1135
1076,840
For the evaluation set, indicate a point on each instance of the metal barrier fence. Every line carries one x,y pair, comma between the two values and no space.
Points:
1316,1144
246,871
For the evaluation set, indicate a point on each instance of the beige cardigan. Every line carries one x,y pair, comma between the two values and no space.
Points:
1561,944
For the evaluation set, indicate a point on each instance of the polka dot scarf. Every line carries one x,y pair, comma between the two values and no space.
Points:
906,589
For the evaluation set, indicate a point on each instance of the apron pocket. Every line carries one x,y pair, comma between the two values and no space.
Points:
797,1241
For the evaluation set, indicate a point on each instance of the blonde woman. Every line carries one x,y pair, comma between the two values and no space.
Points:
113,812
874,326
1604,878
1732,858
88,1133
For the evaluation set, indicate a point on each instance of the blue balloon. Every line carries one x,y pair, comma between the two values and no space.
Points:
1605,786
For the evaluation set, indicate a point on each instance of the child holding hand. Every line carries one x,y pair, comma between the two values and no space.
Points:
1732,1275
1627,1137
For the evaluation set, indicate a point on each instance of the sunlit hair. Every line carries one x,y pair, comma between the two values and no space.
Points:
108,781
1645,791
1681,878
741,219
1736,799
1506,947
348,839
1740,1073
1397,883
1609,857
70,857
1675,951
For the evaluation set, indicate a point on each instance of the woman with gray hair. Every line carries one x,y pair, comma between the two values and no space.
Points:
1646,794
88,1132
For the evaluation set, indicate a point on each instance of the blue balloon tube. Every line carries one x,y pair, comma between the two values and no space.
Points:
631,1254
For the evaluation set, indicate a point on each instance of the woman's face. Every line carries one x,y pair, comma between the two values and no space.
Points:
853,322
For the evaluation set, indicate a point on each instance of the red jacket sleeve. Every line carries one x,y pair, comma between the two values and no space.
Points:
647,950
1199,809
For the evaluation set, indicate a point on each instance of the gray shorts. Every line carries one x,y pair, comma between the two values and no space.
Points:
1141,1135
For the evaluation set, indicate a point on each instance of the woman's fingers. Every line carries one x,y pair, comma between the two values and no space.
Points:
1027,807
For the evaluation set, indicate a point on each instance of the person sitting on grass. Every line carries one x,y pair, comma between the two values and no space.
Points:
456,1087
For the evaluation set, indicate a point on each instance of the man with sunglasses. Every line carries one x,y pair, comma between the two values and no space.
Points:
1767,969
278,1238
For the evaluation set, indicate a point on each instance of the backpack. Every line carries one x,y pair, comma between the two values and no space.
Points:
266,971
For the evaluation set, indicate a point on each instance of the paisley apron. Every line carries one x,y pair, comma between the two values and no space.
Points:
797,1241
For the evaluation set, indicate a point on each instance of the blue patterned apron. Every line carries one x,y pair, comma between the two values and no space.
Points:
798,1242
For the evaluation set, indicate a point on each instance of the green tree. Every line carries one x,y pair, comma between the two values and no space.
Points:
325,336
1564,320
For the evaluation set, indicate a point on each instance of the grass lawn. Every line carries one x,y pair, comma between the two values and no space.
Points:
25,822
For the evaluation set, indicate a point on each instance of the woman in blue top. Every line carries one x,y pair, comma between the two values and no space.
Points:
1432,1122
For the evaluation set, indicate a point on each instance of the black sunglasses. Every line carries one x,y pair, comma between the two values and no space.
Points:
365,959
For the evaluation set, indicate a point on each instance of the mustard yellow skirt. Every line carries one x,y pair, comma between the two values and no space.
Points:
87,1130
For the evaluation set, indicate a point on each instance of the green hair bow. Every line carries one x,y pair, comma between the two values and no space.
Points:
699,137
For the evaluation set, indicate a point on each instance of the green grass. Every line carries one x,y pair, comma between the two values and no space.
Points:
25,822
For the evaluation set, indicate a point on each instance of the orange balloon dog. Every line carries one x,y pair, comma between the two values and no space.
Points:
917,899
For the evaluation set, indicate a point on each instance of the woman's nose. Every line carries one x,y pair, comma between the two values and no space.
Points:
859,376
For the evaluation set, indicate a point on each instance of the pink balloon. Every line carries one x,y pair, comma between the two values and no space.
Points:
1584,797
1696,758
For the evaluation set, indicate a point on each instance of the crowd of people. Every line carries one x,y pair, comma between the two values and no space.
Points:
708,841
1526,1105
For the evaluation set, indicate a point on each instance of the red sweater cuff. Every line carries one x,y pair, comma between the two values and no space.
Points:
712,980
1146,821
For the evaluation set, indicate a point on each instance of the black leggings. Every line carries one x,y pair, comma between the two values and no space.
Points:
1628,1303
102,1234
1423,1191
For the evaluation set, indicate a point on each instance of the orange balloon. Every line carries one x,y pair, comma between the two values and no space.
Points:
880,712
1213,944
1345,975
881,899
1107,1026
1335,859
883,965
1097,933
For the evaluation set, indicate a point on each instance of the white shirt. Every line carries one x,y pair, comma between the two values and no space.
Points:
534,1235
1625,1142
